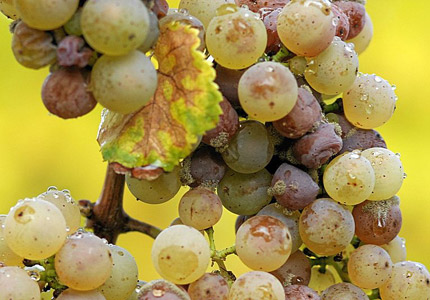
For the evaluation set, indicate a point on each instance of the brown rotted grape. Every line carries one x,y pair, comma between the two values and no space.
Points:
300,292
296,270
270,18
207,167
239,221
228,82
65,94
356,14
160,8
342,121
256,5
342,27
71,52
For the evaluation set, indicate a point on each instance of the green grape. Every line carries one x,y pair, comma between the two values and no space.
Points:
245,194
15,284
84,262
397,249
65,203
73,26
263,243
237,39
123,84
362,40
204,10
268,91
155,191
257,285
25,229
250,150
409,280
369,267
297,65
70,294
7,256
344,291
321,281
349,178
306,27
122,281
46,14
153,33
334,70
370,102
8,9
115,27
180,254
209,286
389,172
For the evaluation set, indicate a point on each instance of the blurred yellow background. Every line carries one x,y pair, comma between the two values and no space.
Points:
38,150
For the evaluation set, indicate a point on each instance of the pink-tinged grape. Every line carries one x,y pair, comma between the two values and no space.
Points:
46,14
409,280
363,39
257,5
157,191
250,150
245,194
204,10
84,262
300,292
370,102
305,114
228,82
25,229
153,33
396,249
123,84
356,13
342,122
300,190
342,27
289,218
7,7
71,52
344,291
349,178
295,271
162,290
369,267
70,294
307,27
160,8
7,256
239,221
316,148
236,38
389,173
334,70
377,222
268,91
362,139
210,287
16,284
200,208
180,254
321,281
326,227
270,20
263,243
257,285
207,167
122,280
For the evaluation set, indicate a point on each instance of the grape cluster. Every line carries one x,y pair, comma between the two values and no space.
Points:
295,155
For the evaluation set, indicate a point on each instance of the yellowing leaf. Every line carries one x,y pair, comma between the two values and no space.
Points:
185,105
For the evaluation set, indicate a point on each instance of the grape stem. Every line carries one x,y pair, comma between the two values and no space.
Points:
336,106
339,266
375,295
281,54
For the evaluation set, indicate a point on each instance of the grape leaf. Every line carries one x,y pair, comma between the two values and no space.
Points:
184,106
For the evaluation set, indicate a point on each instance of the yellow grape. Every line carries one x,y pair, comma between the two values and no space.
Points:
363,39
15,284
204,10
8,9
344,291
257,285
7,256
397,249
70,294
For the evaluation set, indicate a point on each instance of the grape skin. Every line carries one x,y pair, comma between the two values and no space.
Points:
7,256
257,5
204,10
8,9
342,27
70,294
363,39
300,292
16,284
207,167
228,82
270,20
295,271
344,291
396,249
162,290
257,285
356,16
210,286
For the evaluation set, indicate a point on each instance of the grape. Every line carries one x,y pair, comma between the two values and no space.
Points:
409,280
326,227
270,20
263,243
7,256
290,219
122,281
342,27
250,150
45,14
300,292
123,84
71,52
349,178
296,270
226,128
25,229
210,287
180,254
228,82
321,281
16,284
362,139
245,194
153,33
239,221
204,10
160,8
389,172
305,114
316,148
84,262
370,102
396,249
300,189
200,208
334,70
307,27
207,167
73,26
257,285
162,290
377,222
356,16
157,191
79,295
236,39
369,267
8,9
268,91
362,40
65,203
344,291
297,65
257,5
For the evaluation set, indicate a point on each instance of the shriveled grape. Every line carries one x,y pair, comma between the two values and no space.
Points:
362,139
